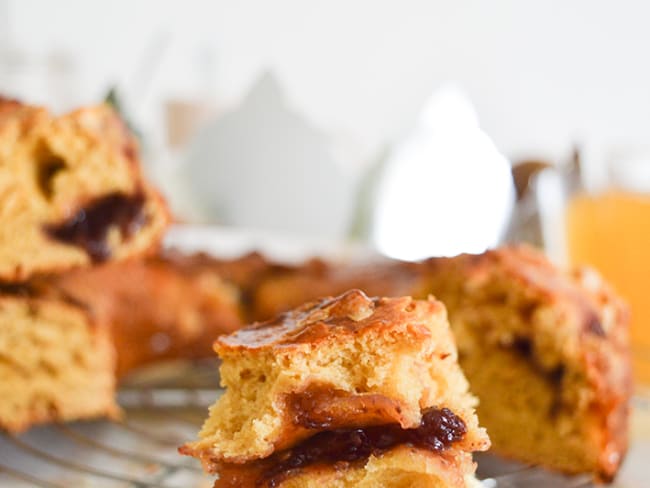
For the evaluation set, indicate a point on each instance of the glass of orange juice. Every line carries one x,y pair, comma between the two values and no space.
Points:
608,229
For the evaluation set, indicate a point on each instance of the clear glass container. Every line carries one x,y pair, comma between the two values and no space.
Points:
606,225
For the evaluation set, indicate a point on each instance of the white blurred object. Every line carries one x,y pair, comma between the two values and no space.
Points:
445,189
551,192
264,166
191,103
50,77
231,243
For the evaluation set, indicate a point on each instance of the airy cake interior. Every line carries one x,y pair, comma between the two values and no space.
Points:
546,357
55,364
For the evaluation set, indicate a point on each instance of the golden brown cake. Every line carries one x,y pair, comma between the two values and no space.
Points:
547,354
282,288
546,351
71,191
158,308
345,391
57,362
244,272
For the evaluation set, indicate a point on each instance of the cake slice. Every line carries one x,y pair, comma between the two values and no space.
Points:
56,361
346,391
546,352
158,308
71,191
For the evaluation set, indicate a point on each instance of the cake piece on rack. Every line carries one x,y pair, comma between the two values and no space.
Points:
346,391
158,308
57,361
547,353
71,191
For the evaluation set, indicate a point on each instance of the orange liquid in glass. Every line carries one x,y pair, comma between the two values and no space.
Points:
611,232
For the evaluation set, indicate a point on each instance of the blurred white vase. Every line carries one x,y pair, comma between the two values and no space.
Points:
264,166
445,188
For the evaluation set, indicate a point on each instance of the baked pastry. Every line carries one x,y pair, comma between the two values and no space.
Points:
71,191
546,351
282,288
244,272
71,194
346,391
57,361
157,308
547,354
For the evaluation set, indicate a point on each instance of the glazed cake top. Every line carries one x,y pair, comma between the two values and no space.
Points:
333,319
581,289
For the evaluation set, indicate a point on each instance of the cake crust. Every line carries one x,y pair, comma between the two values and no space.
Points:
330,320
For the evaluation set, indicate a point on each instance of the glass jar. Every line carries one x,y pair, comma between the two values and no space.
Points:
607,226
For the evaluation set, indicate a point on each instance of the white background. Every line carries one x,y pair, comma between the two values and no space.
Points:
540,74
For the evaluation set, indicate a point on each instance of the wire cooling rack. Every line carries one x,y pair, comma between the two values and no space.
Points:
163,409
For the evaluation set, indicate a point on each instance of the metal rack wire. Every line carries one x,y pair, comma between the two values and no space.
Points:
161,413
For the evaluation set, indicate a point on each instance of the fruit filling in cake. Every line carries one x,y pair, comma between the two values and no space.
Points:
90,226
439,429
72,192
